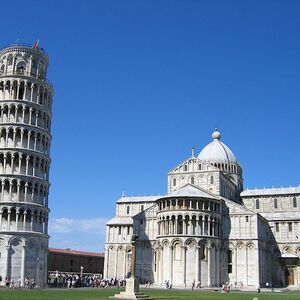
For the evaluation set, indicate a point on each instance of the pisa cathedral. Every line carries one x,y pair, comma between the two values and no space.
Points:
25,121
207,228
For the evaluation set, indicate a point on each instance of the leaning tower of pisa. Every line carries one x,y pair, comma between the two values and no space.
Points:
25,121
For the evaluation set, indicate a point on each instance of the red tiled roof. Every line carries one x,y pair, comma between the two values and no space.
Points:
75,252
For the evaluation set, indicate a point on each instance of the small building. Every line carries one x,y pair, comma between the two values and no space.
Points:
67,260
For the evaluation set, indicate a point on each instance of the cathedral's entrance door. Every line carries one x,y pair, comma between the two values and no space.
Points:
290,276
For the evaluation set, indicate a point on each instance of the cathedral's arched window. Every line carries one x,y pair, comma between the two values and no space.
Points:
192,180
275,203
142,207
120,230
128,210
294,202
257,203
211,179
229,261
199,167
247,218
290,227
277,227
174,181
185,168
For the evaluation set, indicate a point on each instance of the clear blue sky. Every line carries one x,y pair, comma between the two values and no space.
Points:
138,83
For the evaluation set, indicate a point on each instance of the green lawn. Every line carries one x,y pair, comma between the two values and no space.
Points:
100,294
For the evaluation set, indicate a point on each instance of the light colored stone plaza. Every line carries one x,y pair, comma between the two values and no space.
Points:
207,229
25,122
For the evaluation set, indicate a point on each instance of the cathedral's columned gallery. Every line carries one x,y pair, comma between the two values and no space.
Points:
208,229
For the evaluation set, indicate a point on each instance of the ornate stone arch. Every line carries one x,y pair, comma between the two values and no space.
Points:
177,241
190,242
120,248
16,239
110,248
287,249
127,248
240,245
193,214
202,242
165,243
3,241
250,246
155,244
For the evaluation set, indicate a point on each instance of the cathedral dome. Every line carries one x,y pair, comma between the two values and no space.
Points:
216,151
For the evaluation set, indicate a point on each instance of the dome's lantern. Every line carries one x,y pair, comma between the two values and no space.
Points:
216,151
216,134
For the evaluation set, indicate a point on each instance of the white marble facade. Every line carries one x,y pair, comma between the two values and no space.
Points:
207,229
25,122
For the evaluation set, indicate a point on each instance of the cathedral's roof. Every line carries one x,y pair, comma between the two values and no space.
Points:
289,255
190,191
125,199
216,151
120,221
271,191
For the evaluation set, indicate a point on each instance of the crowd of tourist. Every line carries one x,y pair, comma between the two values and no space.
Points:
11,283
64,280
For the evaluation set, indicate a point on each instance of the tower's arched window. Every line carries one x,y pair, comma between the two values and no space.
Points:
229,261
294,202
275,203
128,210
199,167
257,203
211,179
10,60
34,65
142,207
192,180
174,181
21,67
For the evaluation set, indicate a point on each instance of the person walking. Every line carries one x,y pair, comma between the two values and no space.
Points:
193,284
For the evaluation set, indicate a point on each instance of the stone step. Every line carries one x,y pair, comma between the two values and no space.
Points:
131,296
